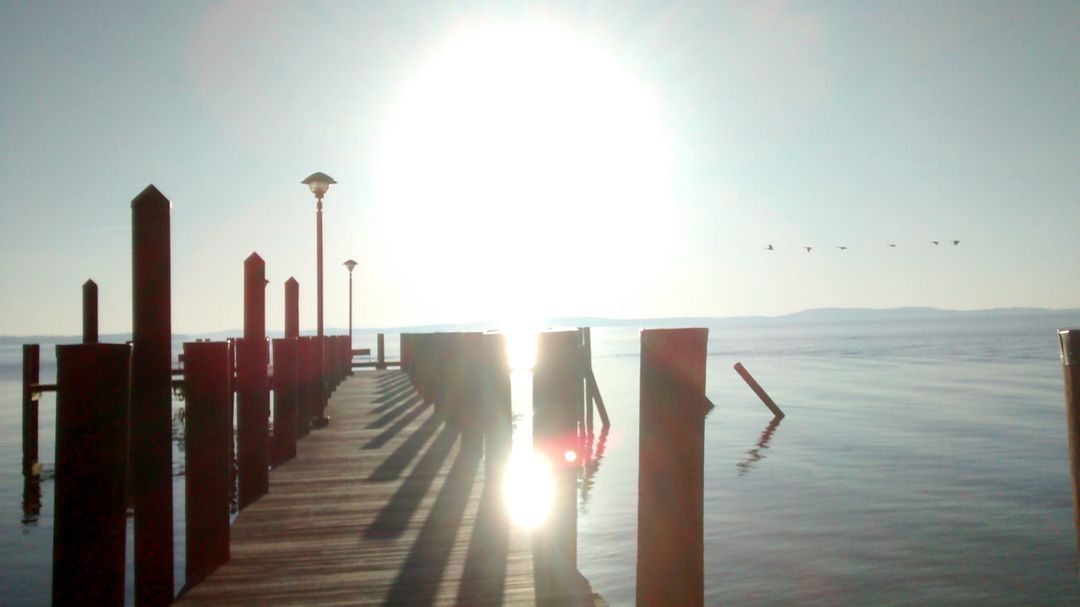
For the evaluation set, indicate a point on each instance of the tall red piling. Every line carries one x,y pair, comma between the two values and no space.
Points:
91,461
1070,360
670,566
150,446
208,443
31,376
89,312
253,393
292,308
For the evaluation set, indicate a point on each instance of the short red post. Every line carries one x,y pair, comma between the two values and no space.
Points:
285,398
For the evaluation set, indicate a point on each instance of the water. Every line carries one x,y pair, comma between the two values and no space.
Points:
920,462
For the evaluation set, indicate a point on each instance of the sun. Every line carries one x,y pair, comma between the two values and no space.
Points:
509,142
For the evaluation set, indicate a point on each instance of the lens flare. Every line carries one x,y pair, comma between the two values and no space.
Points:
528,488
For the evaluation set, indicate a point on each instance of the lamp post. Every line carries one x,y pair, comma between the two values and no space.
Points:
350,264
319,183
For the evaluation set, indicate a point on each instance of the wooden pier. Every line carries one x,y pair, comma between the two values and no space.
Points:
385,506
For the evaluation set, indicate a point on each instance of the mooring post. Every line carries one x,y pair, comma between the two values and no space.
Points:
31,376
292,308
285,400
1070,360
91,461
382,353
589,399
556,402
89,312
253,388
208,443
671,464
756,387
150,443
305,389
495,405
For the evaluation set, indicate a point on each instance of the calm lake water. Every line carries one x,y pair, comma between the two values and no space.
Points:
920,462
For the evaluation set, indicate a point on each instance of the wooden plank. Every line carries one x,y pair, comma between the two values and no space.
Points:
382,507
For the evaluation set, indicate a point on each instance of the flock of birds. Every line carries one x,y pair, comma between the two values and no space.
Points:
843,248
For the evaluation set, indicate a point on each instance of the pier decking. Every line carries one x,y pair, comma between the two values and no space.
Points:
385,506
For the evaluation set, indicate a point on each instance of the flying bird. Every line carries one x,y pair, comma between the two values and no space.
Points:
955,242
892,245
842,248
769,248
808,249
934,242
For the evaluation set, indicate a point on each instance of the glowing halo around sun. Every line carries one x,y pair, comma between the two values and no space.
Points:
528,151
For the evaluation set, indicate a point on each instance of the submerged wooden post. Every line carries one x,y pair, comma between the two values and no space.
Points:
150,447
89,312
292,308
1070,360
253,393
208,443
283,447
756,387
671,463
31,376
91,461
557,399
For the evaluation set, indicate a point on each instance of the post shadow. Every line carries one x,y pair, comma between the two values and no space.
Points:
398,426
399,509
483,579
393,466
418,579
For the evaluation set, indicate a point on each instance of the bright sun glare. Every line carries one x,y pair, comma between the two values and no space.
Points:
514,136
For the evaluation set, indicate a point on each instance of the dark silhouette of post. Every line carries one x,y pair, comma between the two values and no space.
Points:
1070,360
31,376
89,312
670,565
495,405
292,308
285,399
208,443
91,460
151,397
756,387
590,400
557,399
253,394
382,353
305,378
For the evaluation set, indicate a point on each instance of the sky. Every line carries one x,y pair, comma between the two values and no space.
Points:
512,161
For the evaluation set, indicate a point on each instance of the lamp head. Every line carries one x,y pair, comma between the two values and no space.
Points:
350,264
319,183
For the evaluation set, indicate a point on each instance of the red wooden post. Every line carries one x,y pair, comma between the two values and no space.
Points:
285,399
305,378
151,397
1070,360
382,353
253,394
292,308
208,443
31,375
91,461
90,312
557,399
670,566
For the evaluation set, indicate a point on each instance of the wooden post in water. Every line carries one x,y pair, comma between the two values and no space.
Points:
89,312
590,400
253,393
208,443
557,400
150,446
1070,360
292,308
285,398
382,353
31,376
91,460
756,387
671,463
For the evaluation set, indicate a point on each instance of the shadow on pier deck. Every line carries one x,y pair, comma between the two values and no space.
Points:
384,506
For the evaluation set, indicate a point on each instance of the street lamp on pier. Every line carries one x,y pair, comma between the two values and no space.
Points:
319,183
350,264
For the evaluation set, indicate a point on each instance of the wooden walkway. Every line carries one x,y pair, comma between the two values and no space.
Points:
383,507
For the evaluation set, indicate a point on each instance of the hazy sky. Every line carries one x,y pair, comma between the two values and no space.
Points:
525,160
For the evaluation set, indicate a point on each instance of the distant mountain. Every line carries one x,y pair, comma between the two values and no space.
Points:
805,316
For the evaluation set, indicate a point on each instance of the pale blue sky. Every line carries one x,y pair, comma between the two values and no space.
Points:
824,124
